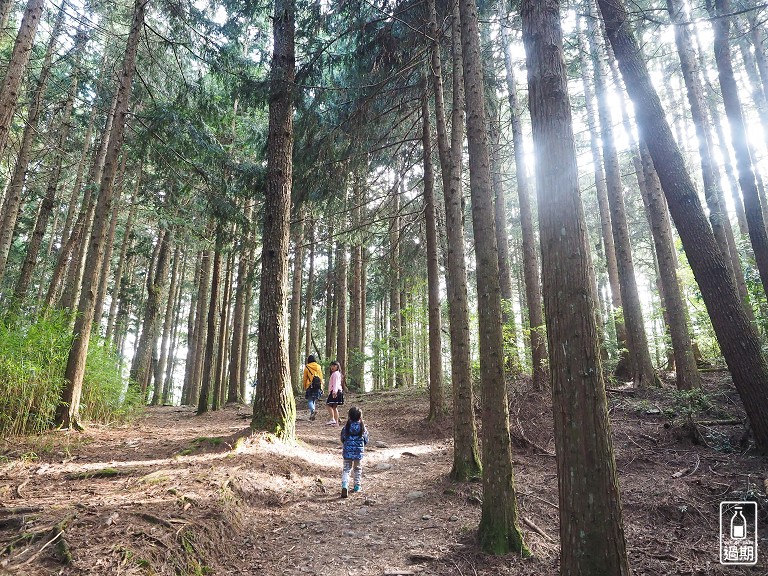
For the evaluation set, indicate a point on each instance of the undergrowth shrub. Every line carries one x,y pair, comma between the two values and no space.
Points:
33,357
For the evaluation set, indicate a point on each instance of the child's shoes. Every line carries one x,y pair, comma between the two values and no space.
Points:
344,492
331,423
357,488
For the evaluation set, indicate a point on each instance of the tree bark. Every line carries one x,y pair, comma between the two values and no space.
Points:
13,200
209,359
141,369
466,458
637,341
591,532
356,351
529,243
17,67
737,337
274,407
499,532
294,335
159,394
67,413
747,181
436,396
49,198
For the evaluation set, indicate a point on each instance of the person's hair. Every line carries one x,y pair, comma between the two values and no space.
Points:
336,363
355,415
311,358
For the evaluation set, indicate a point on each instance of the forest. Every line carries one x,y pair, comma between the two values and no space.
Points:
532,234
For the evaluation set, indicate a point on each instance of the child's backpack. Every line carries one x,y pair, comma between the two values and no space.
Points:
316,384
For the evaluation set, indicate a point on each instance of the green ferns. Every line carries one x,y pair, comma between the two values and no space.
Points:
32,362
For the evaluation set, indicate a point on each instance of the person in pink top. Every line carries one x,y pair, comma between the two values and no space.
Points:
335,394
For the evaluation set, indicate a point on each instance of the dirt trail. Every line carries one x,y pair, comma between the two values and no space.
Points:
174,493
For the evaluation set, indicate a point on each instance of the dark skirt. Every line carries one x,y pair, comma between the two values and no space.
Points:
338,400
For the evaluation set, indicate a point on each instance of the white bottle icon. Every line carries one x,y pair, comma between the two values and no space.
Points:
738,525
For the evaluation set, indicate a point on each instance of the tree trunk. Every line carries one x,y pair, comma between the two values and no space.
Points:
747,181
688,376
170,365
466,459
310,293
340,273
13,200
127,231
356,351
737,337
141,369
436,396
49,199
294,336
223,338
67,413
209,360
499,532
160,393
637,341
106,269
395,318
530,246
591,532
17,67
274,408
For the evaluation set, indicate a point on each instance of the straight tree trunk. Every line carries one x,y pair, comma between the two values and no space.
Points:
209,359
737,337
330,333
499,532
466,454
395,318
637,341
688,376
356,352
170,365
274,408
127,231
341,271
591,531
223,338
530,246
436,396
159,394
294,336
49,198
308,305
141,369
13,199
747,181
17,67
67,413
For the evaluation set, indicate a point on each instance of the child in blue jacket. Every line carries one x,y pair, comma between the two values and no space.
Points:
354,436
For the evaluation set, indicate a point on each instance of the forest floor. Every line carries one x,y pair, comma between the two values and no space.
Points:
174,493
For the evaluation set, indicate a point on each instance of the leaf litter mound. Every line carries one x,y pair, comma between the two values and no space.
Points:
174,493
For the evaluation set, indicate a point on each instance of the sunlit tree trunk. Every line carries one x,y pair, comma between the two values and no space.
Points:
160,393
744,165
466,457
737,337
637,341
530,250
499,532
67,413
13,199
591,531
141,369
17,67
356,350
49,198
274,408
209,359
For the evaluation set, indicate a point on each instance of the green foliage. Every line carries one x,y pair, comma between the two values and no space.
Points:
106,399
33,358
32,362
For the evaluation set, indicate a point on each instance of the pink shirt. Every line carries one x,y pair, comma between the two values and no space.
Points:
334,383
